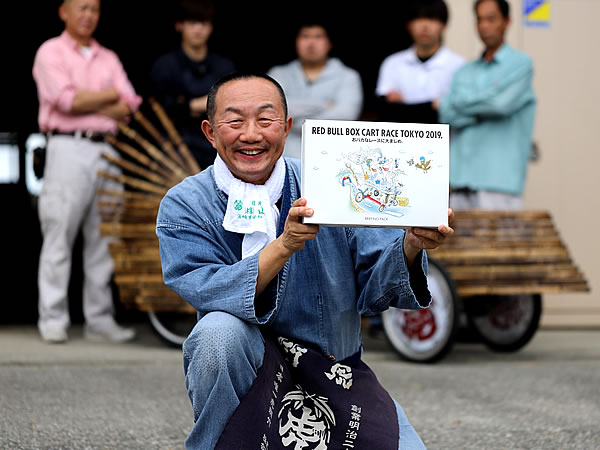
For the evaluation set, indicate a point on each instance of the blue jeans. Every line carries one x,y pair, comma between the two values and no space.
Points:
222,356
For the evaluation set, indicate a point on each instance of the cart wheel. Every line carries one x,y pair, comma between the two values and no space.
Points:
381,208
172,328
505,323
376,193
426,335
359,196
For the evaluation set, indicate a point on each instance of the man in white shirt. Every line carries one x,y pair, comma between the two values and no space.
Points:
411,82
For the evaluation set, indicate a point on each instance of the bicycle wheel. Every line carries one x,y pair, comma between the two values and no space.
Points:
426,335
172,328
505,323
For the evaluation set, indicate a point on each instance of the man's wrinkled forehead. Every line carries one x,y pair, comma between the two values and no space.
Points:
236,92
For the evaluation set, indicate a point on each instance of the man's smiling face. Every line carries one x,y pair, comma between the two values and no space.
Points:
249,128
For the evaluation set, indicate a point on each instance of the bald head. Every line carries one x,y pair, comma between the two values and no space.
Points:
81,18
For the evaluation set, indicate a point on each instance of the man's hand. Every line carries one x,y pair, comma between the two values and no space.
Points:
295,234
394,97
417,239
198,106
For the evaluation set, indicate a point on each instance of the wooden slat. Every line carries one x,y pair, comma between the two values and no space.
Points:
525,215
503,255
468,243
130,195
143,230
520,289
508,252
140,280
515,273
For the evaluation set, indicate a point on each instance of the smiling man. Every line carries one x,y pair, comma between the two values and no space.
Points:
233,245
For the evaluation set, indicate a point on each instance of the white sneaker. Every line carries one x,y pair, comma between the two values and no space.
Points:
110,333
54,335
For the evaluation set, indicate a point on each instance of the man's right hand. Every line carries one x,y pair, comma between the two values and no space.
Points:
295,233
394,97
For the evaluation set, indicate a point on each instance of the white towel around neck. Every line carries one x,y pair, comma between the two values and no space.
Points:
251,208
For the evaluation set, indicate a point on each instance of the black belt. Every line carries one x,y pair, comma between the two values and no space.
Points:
462,190
93,136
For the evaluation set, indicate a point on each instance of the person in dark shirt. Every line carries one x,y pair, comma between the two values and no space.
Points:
181,78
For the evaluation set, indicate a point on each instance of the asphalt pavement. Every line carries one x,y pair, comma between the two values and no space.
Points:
83,395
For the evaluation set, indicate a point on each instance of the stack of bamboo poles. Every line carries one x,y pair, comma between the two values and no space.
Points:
149,165
508,253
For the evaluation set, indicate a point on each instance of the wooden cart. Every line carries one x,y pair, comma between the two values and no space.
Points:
493,271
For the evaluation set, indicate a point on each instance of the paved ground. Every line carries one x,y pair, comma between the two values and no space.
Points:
83,395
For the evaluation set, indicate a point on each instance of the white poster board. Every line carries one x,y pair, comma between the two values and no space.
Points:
381,174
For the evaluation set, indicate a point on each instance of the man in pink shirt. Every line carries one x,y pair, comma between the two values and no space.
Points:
83,91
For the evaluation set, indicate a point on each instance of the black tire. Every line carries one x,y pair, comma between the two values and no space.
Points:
172,328
505,323
431,335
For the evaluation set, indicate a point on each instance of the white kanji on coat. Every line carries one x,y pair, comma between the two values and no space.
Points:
342,375
305,420
292,349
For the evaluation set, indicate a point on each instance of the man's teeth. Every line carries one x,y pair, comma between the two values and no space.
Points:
251,152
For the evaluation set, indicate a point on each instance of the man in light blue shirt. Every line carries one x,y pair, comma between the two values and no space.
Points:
491,108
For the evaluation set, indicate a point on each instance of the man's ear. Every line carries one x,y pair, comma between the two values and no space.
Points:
178,26
62,13
209,132
288,123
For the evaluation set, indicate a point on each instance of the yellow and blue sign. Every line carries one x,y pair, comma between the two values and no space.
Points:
536,13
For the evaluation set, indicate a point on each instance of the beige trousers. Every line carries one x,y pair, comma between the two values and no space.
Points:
68,203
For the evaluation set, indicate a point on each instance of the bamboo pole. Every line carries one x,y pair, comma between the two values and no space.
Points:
142,159
152,150
164,143
134,182
174,135
130,195
127,165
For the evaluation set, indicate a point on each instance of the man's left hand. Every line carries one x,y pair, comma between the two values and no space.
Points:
417,239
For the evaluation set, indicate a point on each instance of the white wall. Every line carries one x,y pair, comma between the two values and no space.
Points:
565,180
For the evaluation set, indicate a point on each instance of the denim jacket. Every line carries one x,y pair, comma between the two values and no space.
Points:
318,296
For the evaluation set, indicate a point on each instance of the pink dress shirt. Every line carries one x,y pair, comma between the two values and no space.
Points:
60,69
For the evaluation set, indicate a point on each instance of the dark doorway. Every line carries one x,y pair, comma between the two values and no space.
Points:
254,35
